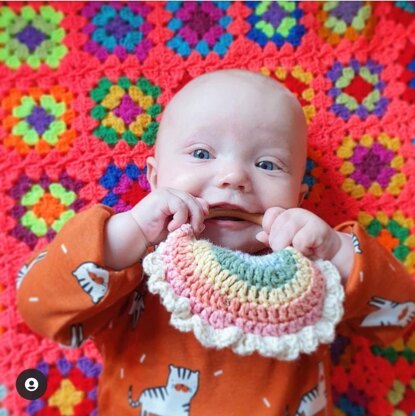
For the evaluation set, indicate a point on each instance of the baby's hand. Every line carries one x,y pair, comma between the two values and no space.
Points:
305,231
166,209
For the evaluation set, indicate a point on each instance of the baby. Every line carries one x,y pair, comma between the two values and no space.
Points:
231,139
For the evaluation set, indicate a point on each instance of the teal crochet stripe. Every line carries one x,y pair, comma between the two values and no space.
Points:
271,271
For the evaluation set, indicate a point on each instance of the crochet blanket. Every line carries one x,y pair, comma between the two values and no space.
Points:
82,87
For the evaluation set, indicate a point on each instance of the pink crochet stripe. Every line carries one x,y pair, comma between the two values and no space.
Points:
221,319
203,293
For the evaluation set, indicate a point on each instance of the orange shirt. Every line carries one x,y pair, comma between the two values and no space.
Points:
151,367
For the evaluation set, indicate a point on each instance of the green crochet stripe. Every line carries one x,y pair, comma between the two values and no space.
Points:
281,271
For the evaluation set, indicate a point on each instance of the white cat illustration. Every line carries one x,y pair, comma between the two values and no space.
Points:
389,313
25,269
95,290
173,399
314,400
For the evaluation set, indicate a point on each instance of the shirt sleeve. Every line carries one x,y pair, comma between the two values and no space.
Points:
380,292
64,292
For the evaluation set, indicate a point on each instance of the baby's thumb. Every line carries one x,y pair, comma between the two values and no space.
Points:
262,236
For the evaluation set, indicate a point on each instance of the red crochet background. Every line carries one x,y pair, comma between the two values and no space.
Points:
61,151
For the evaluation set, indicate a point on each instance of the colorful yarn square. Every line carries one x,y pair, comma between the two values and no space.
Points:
39,119
31,37
71,388
42,207
357,89
372,165
125,186
119,29
275,21
199,26
126,110
394,233
345,20
374,369
298,81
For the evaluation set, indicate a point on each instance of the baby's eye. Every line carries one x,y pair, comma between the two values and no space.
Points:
267,165
201,154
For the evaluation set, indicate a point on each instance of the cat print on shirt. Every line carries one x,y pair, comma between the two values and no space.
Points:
77,336
389,313
137,306
356,244
25,269
314,400
173,399
95,290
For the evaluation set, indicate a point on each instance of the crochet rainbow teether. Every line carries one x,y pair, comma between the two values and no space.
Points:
279,305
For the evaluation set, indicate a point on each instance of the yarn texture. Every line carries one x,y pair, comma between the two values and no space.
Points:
279,305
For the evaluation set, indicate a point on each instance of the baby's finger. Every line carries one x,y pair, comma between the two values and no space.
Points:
281,236
310,240
271,214
204,204
180,213
301,245
195,210
262,236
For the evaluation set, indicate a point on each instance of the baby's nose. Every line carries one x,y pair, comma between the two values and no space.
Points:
236,178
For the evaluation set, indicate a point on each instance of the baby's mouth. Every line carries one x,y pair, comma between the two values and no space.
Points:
227,218
226,214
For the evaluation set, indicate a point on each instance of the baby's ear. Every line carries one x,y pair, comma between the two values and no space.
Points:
303,191
152,172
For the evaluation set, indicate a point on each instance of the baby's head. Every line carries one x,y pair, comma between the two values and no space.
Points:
236,139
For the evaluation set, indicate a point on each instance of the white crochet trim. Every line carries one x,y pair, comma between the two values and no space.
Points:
285,347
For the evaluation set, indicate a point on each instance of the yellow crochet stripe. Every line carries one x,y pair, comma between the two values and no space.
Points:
230,285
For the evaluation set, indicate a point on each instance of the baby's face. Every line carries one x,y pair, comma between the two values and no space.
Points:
237,141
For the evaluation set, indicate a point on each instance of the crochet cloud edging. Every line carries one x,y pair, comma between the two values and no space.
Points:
287,346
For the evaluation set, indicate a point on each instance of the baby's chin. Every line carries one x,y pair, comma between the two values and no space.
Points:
241,240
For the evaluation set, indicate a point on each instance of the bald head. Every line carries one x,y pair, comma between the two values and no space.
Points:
234,88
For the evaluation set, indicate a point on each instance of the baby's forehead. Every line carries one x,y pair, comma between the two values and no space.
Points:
236,80
236,92
232,96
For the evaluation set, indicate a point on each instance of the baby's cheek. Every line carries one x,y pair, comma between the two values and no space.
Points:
282,195
178,180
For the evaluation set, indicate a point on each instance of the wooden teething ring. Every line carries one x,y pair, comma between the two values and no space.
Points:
235,213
